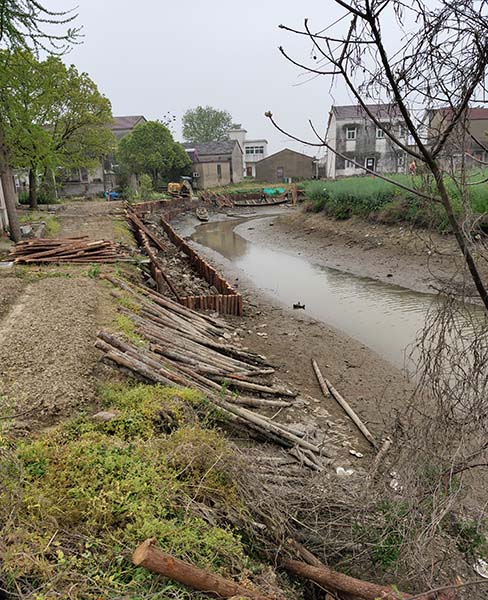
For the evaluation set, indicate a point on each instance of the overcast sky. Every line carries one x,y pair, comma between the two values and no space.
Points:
154,56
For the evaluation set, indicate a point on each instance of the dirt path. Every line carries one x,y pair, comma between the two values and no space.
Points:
97,219
48,361
49,317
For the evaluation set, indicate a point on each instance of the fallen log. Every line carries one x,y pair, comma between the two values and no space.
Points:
148,556
345,406
330,579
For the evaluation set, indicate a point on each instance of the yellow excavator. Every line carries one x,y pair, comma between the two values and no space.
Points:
183,188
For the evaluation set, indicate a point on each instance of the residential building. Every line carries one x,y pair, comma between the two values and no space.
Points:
469,138
93,182
254,150
216,163
285,165
354,134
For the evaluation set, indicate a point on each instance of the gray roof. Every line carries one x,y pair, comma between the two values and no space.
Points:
212,148
127,122
355,111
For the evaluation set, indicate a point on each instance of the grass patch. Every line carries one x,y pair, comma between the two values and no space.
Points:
76,502
379,200
127,327
53,226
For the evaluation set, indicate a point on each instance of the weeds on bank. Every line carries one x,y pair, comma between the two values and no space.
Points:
378,200
76,502
127,327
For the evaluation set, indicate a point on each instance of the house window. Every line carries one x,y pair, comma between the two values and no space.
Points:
84,174
280,172
380,134
401,160
350,164
350,133
259,149
249,149
403,132
219,172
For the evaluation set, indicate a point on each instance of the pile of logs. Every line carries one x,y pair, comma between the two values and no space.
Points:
185,348
74,250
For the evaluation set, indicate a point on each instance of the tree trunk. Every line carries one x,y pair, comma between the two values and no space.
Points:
33,188
461,239
6,181
10,203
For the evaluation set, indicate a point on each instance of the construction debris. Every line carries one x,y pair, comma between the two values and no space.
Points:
73,250
185,348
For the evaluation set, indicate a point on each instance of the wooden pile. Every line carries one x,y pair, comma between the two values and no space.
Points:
188,349
73,250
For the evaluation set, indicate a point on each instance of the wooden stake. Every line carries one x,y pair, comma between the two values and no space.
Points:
347,409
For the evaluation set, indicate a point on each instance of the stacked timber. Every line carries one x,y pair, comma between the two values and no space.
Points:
185,348
73,250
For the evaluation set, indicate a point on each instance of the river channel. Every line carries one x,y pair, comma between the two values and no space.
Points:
386,318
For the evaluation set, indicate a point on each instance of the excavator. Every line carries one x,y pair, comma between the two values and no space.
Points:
182,189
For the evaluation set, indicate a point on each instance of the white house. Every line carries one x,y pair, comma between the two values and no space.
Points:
351,132
254,150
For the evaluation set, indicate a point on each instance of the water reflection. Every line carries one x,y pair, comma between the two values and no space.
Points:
384,317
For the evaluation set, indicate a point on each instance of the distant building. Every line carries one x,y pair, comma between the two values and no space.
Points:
216,163
351,132
469,138
285,165
3,212
254,150
86,182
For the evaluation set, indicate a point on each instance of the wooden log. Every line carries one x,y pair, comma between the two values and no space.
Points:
255,387
345,406
330,579
385,446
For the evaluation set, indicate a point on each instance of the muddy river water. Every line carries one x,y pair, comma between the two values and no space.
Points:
386,318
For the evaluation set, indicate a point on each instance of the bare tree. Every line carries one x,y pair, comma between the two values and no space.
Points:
440,62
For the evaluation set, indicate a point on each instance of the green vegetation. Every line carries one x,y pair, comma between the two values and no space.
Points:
127,327
53,116
471,539
206,124
53,226
75,502
378,200
150,149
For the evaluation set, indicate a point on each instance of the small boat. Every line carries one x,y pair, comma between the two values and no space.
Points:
202,213
298,305
261,200
241,215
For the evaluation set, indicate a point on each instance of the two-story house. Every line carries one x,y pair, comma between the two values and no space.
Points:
254,150
467,142
351,132
215,163
92,182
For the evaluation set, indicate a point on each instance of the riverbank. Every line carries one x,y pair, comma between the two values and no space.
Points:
416,259
290,339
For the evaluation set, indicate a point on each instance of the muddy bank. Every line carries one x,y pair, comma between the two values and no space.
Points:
416,259
290,339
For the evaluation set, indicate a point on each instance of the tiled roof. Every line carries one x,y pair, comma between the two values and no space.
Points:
355,111
127,122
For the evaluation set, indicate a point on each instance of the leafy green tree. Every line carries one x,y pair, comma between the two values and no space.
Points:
28,24
206,124
150,148
53,116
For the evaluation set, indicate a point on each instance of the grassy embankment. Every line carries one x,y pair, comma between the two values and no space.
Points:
76,500
378,200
